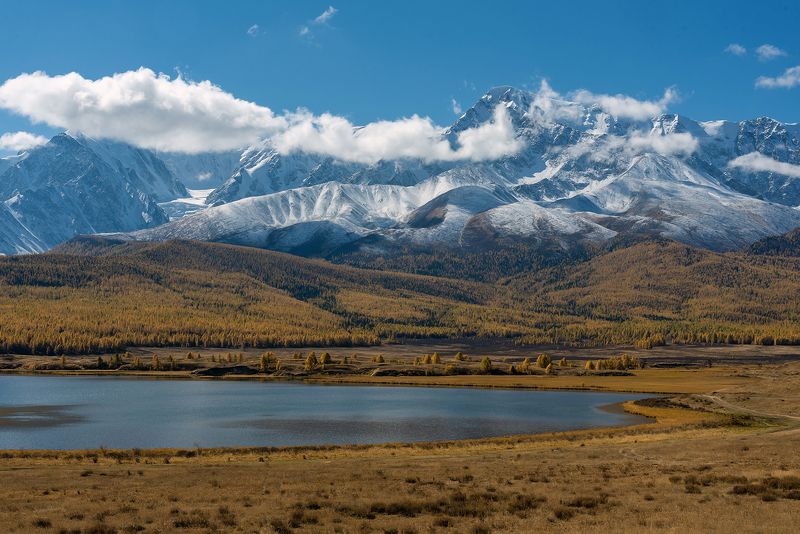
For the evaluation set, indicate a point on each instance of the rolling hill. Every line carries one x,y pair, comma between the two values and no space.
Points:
102,295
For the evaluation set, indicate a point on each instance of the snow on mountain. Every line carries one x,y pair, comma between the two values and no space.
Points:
141,168
583,176
665,196
181,207
9,161
263,170
201,171
15,238
720,142
545,225
349,210
656,195
65,188
76,184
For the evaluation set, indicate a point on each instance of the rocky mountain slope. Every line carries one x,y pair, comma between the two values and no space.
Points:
77,185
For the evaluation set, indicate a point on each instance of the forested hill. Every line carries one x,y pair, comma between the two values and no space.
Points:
97,295
787,244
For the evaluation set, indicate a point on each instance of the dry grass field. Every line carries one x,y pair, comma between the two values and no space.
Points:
720,457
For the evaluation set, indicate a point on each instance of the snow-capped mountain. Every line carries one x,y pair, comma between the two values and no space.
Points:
264,170
583,175
76,185
65,188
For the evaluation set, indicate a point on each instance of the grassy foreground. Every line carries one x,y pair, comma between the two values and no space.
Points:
719,457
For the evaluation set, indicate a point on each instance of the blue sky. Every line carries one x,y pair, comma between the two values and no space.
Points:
388,59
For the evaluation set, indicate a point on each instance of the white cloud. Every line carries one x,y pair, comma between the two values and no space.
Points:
758,162
736,49
456,107
253,30
153,111
141,107
766,52
321,19
790,78
610,148
413,137
549,107
666,145
623,106
203,176
17,141
490,140
326,15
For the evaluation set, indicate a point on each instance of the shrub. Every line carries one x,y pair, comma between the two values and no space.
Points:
543,360
226,517
524,503
435,358
280,527
563,513
486,365
311,361
42,523
587,502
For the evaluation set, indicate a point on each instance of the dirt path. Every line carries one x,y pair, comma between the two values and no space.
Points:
736,408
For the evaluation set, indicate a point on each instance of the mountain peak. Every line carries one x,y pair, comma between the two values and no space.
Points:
516,101
508,94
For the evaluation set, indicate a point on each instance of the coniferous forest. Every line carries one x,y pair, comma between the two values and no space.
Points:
98,296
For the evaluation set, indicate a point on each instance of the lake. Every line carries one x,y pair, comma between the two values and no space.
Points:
58,412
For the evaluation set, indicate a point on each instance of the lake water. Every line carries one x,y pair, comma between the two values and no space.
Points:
50,412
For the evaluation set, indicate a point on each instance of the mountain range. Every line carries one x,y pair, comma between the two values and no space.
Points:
583,177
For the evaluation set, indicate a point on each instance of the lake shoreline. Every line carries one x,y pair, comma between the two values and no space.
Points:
647,381
736,432
669,382
660,419
222,413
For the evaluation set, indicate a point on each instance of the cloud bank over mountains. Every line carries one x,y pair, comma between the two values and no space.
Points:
155,111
